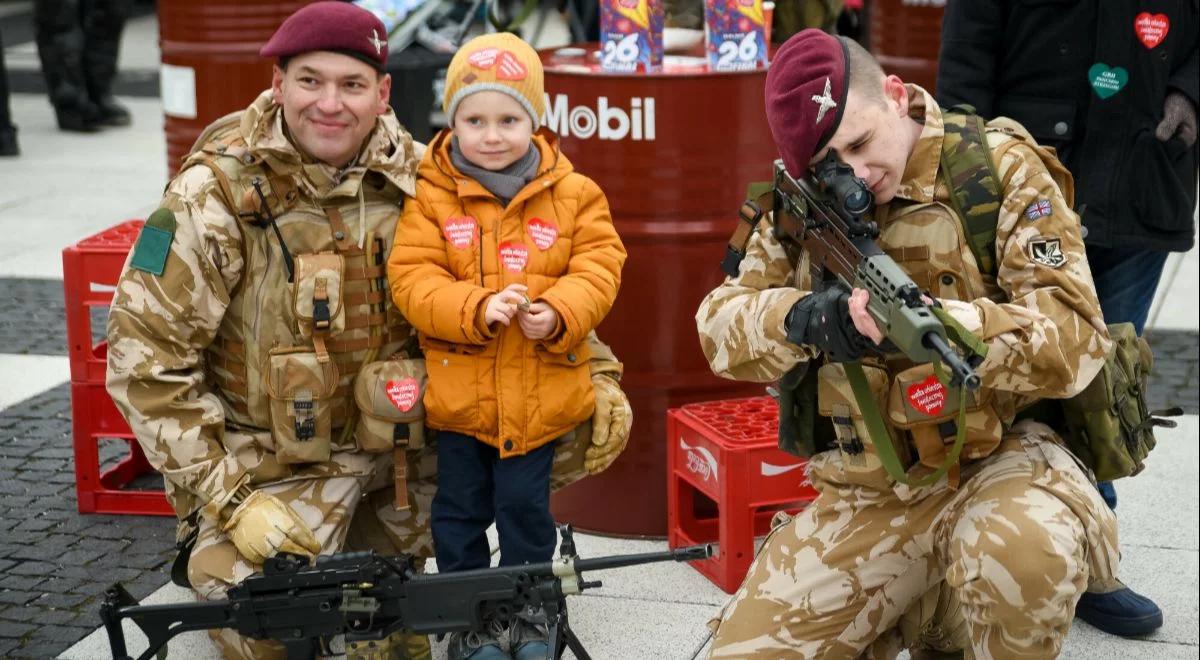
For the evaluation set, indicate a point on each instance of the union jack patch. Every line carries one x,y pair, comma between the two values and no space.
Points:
1038,209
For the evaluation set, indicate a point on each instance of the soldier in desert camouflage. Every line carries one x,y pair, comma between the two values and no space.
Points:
990,560
254,300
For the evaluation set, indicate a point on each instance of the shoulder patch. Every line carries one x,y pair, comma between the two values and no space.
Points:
154,243
1047,251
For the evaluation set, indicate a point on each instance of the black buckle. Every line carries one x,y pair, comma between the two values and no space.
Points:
321,320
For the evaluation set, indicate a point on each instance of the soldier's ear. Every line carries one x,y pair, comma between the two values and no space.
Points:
385,93
277,75
896,94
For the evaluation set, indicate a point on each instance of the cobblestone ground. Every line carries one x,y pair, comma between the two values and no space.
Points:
56,563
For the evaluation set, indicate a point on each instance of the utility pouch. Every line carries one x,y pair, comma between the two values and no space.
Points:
802,431
389,399
922,405
1108,425
317,294
836,401
299,390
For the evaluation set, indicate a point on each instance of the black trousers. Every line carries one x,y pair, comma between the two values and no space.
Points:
78,42
476,487
5,113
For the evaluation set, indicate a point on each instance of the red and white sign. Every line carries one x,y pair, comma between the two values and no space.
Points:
459,231
509,67
514,256
403,393
483,58
543,232
928,396
1151,28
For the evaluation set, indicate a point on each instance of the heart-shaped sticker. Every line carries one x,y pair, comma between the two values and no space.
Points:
514,256
543,232
928,397
1106,81
508,67
1151,29
403,393
459,230
483,58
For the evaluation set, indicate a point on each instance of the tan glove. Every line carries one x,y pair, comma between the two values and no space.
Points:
262,526
610,425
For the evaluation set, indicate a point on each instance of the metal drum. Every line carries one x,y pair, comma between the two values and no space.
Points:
905,38
673,152
210,62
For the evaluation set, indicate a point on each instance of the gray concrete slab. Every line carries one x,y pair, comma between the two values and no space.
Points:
1158,508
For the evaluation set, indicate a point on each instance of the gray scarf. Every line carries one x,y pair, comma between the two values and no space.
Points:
505,183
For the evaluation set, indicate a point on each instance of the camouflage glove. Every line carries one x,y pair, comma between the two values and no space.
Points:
262,526
610,425
1179,119
823,320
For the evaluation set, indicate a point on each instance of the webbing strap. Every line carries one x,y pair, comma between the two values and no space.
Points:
882,440
959,334
970,176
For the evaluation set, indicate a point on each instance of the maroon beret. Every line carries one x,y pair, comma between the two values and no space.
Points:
805,94
334,26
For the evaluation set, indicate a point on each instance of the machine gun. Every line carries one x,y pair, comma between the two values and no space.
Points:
367,596
831,224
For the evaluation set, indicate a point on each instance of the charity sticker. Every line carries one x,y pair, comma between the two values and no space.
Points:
459,230
508,67
403,393
543,232
1107,81
483,58
1151,29
514,256
927,397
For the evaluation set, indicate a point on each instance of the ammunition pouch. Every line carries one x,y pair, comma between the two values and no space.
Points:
802,432
300,387
389,399
1108,425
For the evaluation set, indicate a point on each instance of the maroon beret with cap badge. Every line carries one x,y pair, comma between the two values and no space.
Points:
805,95
339,27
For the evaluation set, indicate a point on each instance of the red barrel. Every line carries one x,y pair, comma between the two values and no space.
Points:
210,62
673,153
905,38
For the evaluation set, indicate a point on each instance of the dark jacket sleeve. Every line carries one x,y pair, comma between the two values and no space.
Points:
972,47
1186,78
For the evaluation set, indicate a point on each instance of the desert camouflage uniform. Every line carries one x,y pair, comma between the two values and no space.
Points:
187,349
993,565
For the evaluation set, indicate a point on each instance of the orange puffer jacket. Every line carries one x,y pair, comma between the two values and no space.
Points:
455,246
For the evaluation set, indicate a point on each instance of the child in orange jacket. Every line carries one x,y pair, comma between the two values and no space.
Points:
504,262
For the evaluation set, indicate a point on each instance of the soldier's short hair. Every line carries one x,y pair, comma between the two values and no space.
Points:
866,76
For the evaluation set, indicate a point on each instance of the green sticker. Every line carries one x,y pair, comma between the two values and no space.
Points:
154,243
1106,81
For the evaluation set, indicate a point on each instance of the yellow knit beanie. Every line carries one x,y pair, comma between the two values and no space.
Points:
499,62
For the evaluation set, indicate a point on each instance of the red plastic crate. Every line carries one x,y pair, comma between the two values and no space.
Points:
726,479
90,271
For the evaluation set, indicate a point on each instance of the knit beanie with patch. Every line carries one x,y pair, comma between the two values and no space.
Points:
499,62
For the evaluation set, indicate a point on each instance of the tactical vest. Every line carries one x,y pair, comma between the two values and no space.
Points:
285,304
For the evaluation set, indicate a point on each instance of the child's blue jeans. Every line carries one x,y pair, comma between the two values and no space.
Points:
475,487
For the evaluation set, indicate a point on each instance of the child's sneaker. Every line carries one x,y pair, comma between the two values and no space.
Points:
478,645
528,636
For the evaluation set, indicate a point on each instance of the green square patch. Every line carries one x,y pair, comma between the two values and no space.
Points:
150,253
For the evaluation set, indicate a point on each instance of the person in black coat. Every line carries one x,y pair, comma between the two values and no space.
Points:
1113,86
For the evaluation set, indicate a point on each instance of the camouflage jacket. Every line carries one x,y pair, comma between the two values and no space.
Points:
1039,316
190,351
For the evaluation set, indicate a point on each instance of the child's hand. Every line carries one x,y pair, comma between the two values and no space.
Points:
501,306
539,321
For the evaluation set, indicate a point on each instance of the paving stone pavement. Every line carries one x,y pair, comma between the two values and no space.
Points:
55,563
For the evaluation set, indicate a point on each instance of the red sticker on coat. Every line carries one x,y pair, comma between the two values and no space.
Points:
928,396
543,232
483,58
1151,29
514,256
459,230
403,393
508,67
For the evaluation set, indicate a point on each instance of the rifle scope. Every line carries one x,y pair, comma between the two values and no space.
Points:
847,190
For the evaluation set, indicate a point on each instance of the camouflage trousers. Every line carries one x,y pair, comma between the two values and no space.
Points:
347,513
993,568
